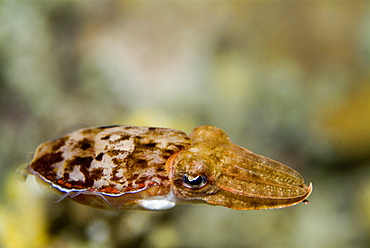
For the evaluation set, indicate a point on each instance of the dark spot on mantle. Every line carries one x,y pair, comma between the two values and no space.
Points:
84,162
117,161
124,137
114,152
150,144
84,144
106,137
59,143
99,157
96,173
43,164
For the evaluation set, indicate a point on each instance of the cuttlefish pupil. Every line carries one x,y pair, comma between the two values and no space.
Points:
192,182
150,168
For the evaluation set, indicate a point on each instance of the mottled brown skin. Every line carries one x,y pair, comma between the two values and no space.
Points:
120,167
109,167
236,177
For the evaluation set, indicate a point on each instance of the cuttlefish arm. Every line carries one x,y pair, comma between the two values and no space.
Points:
216,171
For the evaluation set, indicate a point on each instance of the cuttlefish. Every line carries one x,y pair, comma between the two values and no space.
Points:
152,168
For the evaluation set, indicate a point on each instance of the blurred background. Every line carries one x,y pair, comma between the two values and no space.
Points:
286,79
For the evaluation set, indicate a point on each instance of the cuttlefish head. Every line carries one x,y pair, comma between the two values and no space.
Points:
216,171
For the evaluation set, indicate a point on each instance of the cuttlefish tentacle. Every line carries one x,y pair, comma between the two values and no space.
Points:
237,178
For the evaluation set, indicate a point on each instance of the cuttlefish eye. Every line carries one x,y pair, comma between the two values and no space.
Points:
196,182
